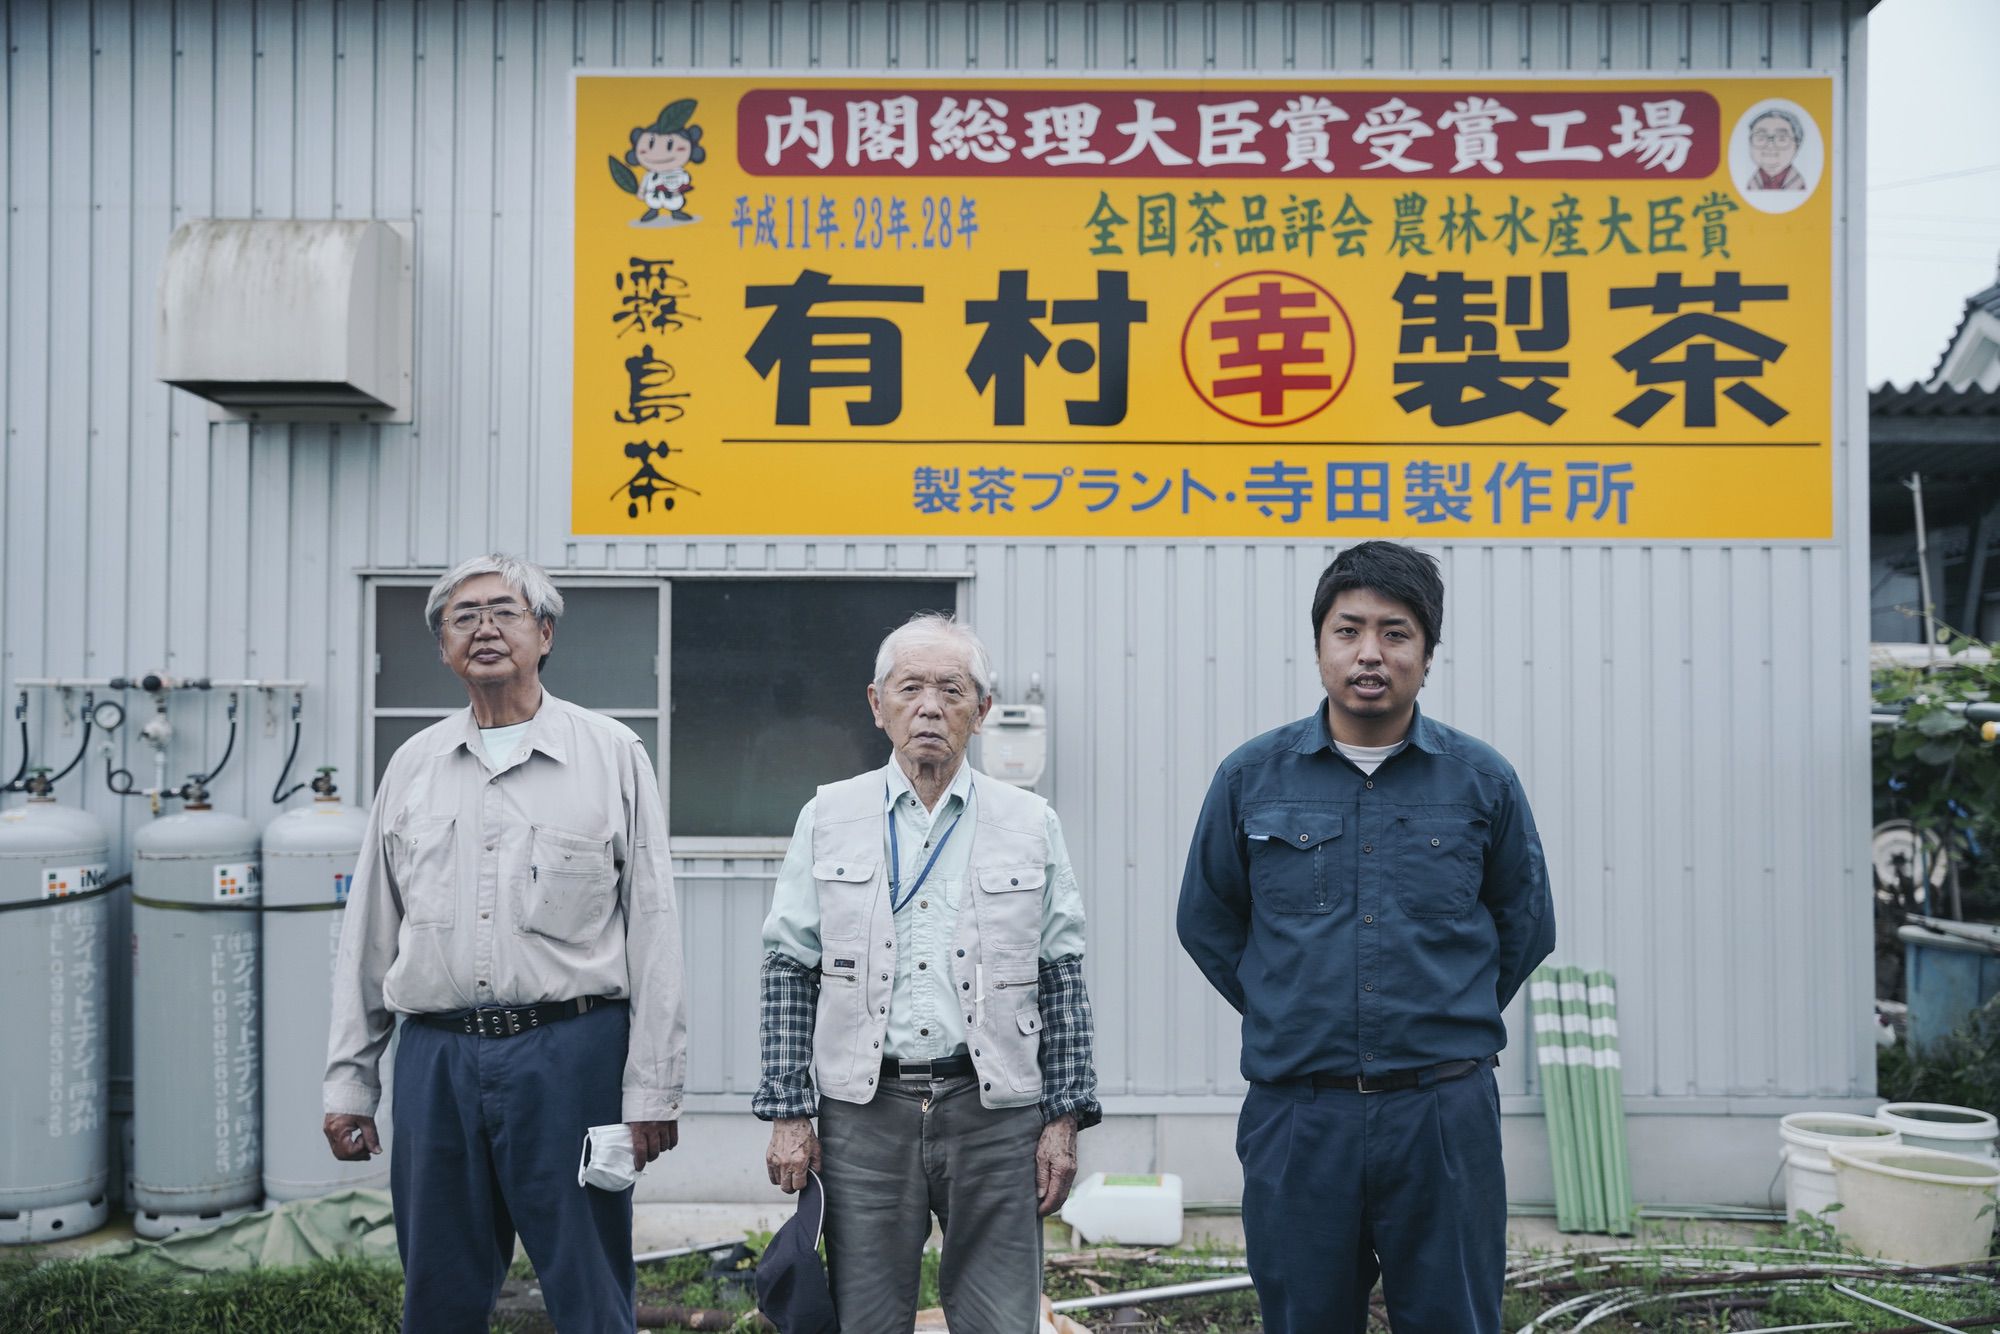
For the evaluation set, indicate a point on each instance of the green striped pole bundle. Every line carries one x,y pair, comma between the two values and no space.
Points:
1583,1097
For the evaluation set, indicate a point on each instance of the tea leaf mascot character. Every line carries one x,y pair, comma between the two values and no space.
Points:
665,149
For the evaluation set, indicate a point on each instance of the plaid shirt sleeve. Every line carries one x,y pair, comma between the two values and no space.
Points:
1069,1079
790,997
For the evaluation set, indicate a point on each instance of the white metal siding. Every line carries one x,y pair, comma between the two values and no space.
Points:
1687,718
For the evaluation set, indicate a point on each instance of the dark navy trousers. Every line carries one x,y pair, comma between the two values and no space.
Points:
1340,1187
488,1134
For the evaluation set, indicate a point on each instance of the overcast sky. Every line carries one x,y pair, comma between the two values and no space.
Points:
1933,112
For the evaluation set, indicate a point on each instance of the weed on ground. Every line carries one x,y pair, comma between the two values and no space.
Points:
1656,1287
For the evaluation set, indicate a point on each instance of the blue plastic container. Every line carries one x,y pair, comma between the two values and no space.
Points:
1951,969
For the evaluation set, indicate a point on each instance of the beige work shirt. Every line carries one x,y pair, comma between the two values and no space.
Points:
545,877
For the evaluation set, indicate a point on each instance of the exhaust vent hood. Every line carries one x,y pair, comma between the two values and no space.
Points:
289,320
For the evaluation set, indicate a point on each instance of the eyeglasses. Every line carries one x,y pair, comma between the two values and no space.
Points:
504,619
1764,140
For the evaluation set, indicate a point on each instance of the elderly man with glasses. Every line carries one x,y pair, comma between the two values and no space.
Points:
923,991
514,906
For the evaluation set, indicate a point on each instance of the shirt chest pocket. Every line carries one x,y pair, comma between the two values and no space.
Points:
571,888
844,898
1010,906
423,858
1293,865
1443,861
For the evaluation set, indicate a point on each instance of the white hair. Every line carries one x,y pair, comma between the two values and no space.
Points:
529,581
1798,130
932,627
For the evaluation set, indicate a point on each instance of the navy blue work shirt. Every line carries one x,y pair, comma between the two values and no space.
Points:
1365,923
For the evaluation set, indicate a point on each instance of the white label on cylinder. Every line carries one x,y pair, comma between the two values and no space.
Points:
232,969
76,941
343,880
236,880
59,882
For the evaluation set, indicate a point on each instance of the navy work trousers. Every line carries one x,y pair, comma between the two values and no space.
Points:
488,1134
1340,1186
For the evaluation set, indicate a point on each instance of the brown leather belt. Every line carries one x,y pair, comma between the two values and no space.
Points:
500,1021
1389,1080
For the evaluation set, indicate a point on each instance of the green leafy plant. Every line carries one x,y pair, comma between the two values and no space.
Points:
1962,1069
1934,769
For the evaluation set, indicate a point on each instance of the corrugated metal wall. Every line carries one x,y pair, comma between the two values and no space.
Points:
1687,718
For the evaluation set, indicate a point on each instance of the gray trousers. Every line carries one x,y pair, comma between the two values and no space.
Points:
924,1147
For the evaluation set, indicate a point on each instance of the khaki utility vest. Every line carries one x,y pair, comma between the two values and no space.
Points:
995,950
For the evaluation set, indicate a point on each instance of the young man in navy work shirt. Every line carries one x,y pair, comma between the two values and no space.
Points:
1367,888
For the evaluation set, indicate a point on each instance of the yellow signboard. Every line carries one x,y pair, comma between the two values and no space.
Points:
1297,307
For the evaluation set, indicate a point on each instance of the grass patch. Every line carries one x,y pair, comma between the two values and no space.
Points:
88,1296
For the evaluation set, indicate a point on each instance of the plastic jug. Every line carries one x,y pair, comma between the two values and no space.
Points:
1126,1209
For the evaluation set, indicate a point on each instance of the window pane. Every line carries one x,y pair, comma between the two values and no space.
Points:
649,732
604,656
605,648
769,682
411,675
389,734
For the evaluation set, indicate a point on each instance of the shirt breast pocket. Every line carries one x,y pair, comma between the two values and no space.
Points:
571,889
1292,859
1443,863
844,898
423,857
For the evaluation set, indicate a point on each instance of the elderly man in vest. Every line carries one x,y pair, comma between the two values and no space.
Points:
923,987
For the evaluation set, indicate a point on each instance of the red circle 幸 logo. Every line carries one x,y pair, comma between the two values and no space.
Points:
1268,348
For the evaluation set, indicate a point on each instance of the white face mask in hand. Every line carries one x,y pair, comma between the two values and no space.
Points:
607,1159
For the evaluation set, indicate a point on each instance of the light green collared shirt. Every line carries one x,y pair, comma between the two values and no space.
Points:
924,1018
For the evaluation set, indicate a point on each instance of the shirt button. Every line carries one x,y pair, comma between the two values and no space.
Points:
923,1032
968,1019
1367,1055
965,986
1434,842
490,847
921,966
961,954
875,1044
885,977
883,1010
484,916
888,944
1368,847
1367,917
1368,986
1369,784
1304,838
923,903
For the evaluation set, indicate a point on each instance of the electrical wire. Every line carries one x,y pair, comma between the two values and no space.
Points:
14,784
203,780
280,794
1937,176
78,758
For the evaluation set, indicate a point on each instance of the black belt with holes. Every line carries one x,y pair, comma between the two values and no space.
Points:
948,1067
495,1021
1442,1072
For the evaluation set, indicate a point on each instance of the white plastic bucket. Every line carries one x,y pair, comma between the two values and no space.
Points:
1808,1171
1919,1206
1126,1209
1947,1129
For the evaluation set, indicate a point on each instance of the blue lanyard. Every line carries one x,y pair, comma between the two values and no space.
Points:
898,900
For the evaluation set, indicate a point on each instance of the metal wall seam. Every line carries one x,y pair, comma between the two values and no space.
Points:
1708,874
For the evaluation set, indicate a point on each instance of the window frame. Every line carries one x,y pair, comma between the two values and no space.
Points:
679,845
